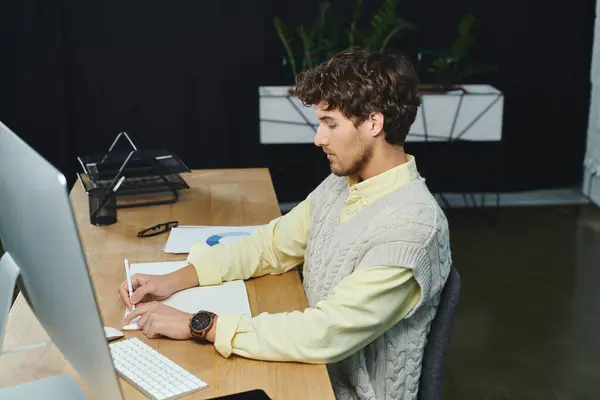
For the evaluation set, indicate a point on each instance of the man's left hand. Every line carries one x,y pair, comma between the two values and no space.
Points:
158,319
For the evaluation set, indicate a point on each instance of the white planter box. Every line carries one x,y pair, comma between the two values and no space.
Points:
474,116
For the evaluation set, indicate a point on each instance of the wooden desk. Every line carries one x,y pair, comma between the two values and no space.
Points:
216,197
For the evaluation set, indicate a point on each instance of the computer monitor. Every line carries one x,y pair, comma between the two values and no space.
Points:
41,241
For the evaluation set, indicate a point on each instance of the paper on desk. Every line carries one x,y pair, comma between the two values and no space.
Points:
182,238
227,298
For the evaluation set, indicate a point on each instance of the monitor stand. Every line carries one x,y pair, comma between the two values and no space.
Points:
51,388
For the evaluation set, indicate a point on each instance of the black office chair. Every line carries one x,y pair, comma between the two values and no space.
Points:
430,383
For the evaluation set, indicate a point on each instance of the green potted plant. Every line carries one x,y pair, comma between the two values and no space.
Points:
453,66
451,107
327,34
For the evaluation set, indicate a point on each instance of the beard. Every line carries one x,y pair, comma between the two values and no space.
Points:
360,158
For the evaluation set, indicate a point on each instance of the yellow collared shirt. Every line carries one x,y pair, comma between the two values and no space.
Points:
374,299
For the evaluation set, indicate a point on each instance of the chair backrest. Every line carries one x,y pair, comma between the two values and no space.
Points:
430,383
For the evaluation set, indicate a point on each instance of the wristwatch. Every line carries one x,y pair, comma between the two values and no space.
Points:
201,323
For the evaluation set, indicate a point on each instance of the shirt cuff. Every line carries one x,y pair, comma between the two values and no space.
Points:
226,329
206,265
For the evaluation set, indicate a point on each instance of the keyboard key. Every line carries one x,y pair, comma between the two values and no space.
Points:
151,372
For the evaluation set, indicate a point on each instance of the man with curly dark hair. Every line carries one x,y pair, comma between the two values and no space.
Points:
372,240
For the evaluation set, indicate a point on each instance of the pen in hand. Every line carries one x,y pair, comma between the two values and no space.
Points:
129,287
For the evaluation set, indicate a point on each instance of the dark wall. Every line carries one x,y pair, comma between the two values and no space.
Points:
542,51
181,75
185,75
32,77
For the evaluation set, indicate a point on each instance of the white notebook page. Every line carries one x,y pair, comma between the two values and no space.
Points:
227,298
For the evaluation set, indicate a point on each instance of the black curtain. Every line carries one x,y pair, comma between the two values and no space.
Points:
32,77
185,75
181,75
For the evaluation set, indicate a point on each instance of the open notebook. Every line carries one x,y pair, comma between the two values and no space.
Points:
227,298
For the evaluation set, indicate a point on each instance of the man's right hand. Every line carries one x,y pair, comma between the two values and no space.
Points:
148,288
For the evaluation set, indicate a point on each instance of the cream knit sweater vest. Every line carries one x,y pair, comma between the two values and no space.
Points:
404,228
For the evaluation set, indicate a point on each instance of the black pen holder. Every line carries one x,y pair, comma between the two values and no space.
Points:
103,207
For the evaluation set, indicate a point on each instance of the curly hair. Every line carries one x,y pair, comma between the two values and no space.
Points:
358,82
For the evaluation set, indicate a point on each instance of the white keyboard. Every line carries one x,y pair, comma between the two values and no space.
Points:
151,372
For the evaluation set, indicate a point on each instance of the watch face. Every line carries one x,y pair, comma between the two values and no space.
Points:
200,321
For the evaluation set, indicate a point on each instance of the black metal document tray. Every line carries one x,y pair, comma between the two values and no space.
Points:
143,172
142,163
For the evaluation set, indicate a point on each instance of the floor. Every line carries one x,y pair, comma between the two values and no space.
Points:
528,325
526,198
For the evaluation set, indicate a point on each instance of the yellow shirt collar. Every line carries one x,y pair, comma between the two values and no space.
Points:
384,183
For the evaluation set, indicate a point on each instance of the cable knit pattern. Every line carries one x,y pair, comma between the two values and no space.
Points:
404,228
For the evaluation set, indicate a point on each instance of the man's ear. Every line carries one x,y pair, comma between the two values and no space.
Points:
375,124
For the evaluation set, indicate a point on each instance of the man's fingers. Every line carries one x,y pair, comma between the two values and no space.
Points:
154,330
124,295
140,293
149,330
137,312
146,328
138,280
144,319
